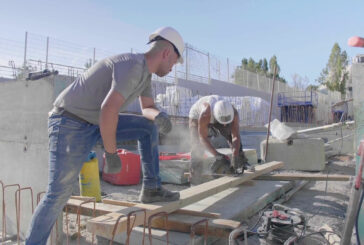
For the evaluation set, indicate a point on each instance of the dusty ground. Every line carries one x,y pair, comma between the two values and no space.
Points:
321,202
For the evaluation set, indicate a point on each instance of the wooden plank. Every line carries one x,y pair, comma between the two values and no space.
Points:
302,176
151,207
109,206
87,208
182,223
104,225
180,220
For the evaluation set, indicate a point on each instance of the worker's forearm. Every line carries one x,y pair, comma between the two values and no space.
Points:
150,113
235,144
108,125
206,142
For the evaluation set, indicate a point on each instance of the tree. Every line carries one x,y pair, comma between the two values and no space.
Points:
300,83
265,66
260,67
312,87
272,63
244,63
335,75
89,63
251,65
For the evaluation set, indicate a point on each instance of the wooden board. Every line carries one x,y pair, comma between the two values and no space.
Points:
182,223
303,176
151,207
104,225
181,220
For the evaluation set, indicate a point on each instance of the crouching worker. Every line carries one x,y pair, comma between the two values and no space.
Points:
89,109
210,115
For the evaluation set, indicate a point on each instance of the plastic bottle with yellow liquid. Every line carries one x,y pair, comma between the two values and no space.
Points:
89,178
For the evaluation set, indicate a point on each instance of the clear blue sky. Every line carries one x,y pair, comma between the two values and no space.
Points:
300,33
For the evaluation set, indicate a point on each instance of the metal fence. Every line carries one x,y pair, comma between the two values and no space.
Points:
37,52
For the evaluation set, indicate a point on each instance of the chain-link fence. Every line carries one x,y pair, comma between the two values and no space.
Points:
37,52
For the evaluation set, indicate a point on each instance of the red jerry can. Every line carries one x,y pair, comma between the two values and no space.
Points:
130,169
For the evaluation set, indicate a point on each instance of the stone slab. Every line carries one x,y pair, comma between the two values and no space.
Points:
172,171
299,154
236,203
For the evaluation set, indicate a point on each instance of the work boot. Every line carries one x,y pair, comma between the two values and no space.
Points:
157,195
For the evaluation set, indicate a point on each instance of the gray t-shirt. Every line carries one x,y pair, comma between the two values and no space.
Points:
127,74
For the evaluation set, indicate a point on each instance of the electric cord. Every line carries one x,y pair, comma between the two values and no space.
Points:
326,184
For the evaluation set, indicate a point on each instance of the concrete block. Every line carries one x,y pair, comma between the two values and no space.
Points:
251,154
172,171
298,154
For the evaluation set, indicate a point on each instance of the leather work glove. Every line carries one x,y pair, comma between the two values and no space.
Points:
163,123
112,163
238,163
221,165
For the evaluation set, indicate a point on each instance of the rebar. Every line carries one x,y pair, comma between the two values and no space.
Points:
129,229
193,230
93,199
17,208
150,219
115,227
4,210
67,230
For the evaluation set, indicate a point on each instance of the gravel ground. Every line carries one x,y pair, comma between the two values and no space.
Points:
320,202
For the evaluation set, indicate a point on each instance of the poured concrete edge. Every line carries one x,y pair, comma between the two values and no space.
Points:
104,225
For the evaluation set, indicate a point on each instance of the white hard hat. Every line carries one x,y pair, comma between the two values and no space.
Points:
171,35
223,112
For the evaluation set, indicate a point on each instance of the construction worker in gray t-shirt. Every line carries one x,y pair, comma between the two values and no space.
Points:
89,110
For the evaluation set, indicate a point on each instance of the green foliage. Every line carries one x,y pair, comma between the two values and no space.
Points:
312,87
265,66
89,63
261,67
335,75
273,63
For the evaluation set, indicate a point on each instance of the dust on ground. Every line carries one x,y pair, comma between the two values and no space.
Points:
321,202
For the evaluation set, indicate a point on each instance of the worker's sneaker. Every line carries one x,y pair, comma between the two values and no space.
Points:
158,195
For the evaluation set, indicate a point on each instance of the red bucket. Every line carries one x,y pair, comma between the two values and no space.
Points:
130,169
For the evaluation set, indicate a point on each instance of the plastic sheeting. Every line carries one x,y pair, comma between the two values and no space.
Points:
177,101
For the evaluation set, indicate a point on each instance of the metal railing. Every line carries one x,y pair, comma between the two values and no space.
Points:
38,52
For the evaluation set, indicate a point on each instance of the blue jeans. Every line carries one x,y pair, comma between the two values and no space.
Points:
70,142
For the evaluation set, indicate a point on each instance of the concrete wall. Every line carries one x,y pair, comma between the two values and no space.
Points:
24,108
